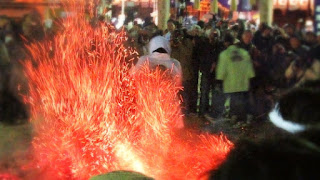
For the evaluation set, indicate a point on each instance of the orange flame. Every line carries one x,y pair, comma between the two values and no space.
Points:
91,116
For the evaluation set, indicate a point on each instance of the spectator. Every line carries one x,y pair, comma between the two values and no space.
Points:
295,73
208,60
289,30
4,66
278,65
290,157
264,42
235,70
32,27
171,27
195,34
246,43
297,47
310,39
182,48
235,30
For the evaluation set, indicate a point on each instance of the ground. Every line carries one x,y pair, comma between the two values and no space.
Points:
15,140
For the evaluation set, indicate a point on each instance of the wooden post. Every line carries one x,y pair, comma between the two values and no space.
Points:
196,5
214,7
163,13
266,11
234,5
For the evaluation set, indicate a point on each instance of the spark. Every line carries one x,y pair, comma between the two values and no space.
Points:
90,116
7,176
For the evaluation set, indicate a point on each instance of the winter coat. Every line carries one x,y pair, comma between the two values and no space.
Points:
235,69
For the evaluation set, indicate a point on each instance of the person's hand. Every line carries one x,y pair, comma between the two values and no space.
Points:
213,67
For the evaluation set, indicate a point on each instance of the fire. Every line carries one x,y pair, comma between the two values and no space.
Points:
7,176
91,116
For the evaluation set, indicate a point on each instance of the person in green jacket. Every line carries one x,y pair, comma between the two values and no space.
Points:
235,69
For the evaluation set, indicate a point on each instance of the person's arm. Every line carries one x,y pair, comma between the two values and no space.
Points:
221,67
251,73
4,55
312,73
177,71
290,71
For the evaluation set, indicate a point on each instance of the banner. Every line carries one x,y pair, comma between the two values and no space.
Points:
214,7
291,4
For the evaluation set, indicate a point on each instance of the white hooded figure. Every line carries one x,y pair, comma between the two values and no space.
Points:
159,55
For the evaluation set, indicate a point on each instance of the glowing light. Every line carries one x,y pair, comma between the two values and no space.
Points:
139,21
292,4
154,15
121,19
90,116
6,176
113,20
309,23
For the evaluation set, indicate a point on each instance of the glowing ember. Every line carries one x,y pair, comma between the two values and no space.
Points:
91,116
6,176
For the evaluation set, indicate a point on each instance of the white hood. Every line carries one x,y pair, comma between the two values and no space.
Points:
159,42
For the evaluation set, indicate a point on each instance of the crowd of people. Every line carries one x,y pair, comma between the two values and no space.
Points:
14,35
239,67
243,71
230,69
227,70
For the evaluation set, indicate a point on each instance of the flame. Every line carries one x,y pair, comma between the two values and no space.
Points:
91,116
7,176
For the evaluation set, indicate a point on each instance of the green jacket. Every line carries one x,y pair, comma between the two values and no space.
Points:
235,69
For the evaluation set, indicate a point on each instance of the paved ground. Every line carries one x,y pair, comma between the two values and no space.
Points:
15,141
255,130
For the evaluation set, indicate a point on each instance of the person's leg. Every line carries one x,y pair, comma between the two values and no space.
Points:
244,103
218,100
238,106
204,91
193,95
4,81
